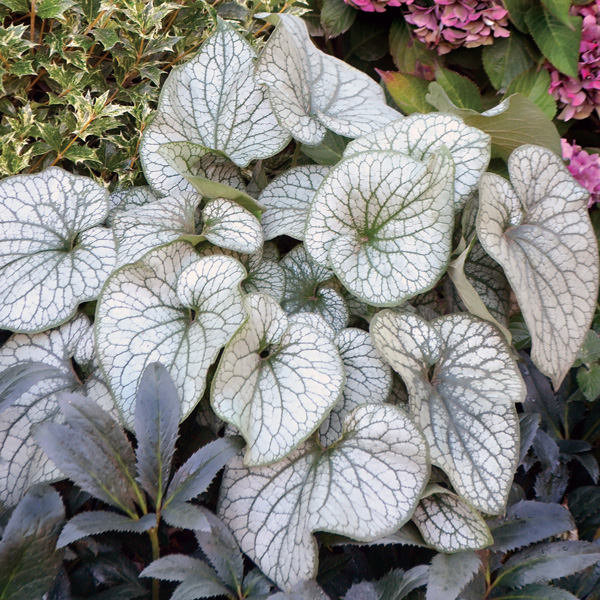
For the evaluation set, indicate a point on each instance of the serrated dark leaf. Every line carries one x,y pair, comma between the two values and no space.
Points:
307,590
29,560
450,573
16,380
545,562
528,522
100,521
92,450
195,475
551,484
397,584
198,579
221,550
186,516
156,424
529,424
584,503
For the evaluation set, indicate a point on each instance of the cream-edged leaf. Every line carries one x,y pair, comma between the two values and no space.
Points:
311,91
419,136
310,287
366,486
450,525
276,381
537,227
165,220
229,225
172,307
213,102
383,222
287,200
53,253
368,379
466,406
22,462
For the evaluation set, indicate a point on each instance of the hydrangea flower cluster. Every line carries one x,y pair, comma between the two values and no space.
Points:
584,167
580,96
449,24
376,5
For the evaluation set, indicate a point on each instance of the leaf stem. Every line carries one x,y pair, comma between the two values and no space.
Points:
153,533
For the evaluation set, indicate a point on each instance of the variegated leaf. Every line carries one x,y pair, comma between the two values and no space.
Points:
22,462
276,381
229,225
383,221
173,307
419,136
366,486
156,223
265,275
309,288
212,102
287,200
466,406
537,227
449,524
311,91
53,254
368,379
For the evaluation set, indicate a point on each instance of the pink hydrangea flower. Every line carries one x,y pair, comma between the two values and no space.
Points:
449,24
584,167
580,96
376,5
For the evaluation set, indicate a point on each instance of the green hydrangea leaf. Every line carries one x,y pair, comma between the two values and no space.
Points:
449,524
192,309
383,222
213,101
29,560
229,225
53,254
466,407
537,227
409,92
558,41
287,200
276,381
420,136
506,58
309,288
311,91
22,461
368,379
366,486
534,84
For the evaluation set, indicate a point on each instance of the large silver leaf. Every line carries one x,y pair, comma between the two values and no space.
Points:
311,91
466,406
419,136
212,102
276,381
287,199
366,486
22,462
53,254
173,307
368,379
309,287
537,227
449,524
383,221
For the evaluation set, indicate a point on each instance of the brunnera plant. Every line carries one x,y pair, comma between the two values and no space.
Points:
303,346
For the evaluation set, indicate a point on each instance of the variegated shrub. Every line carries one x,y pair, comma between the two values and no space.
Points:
369,369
